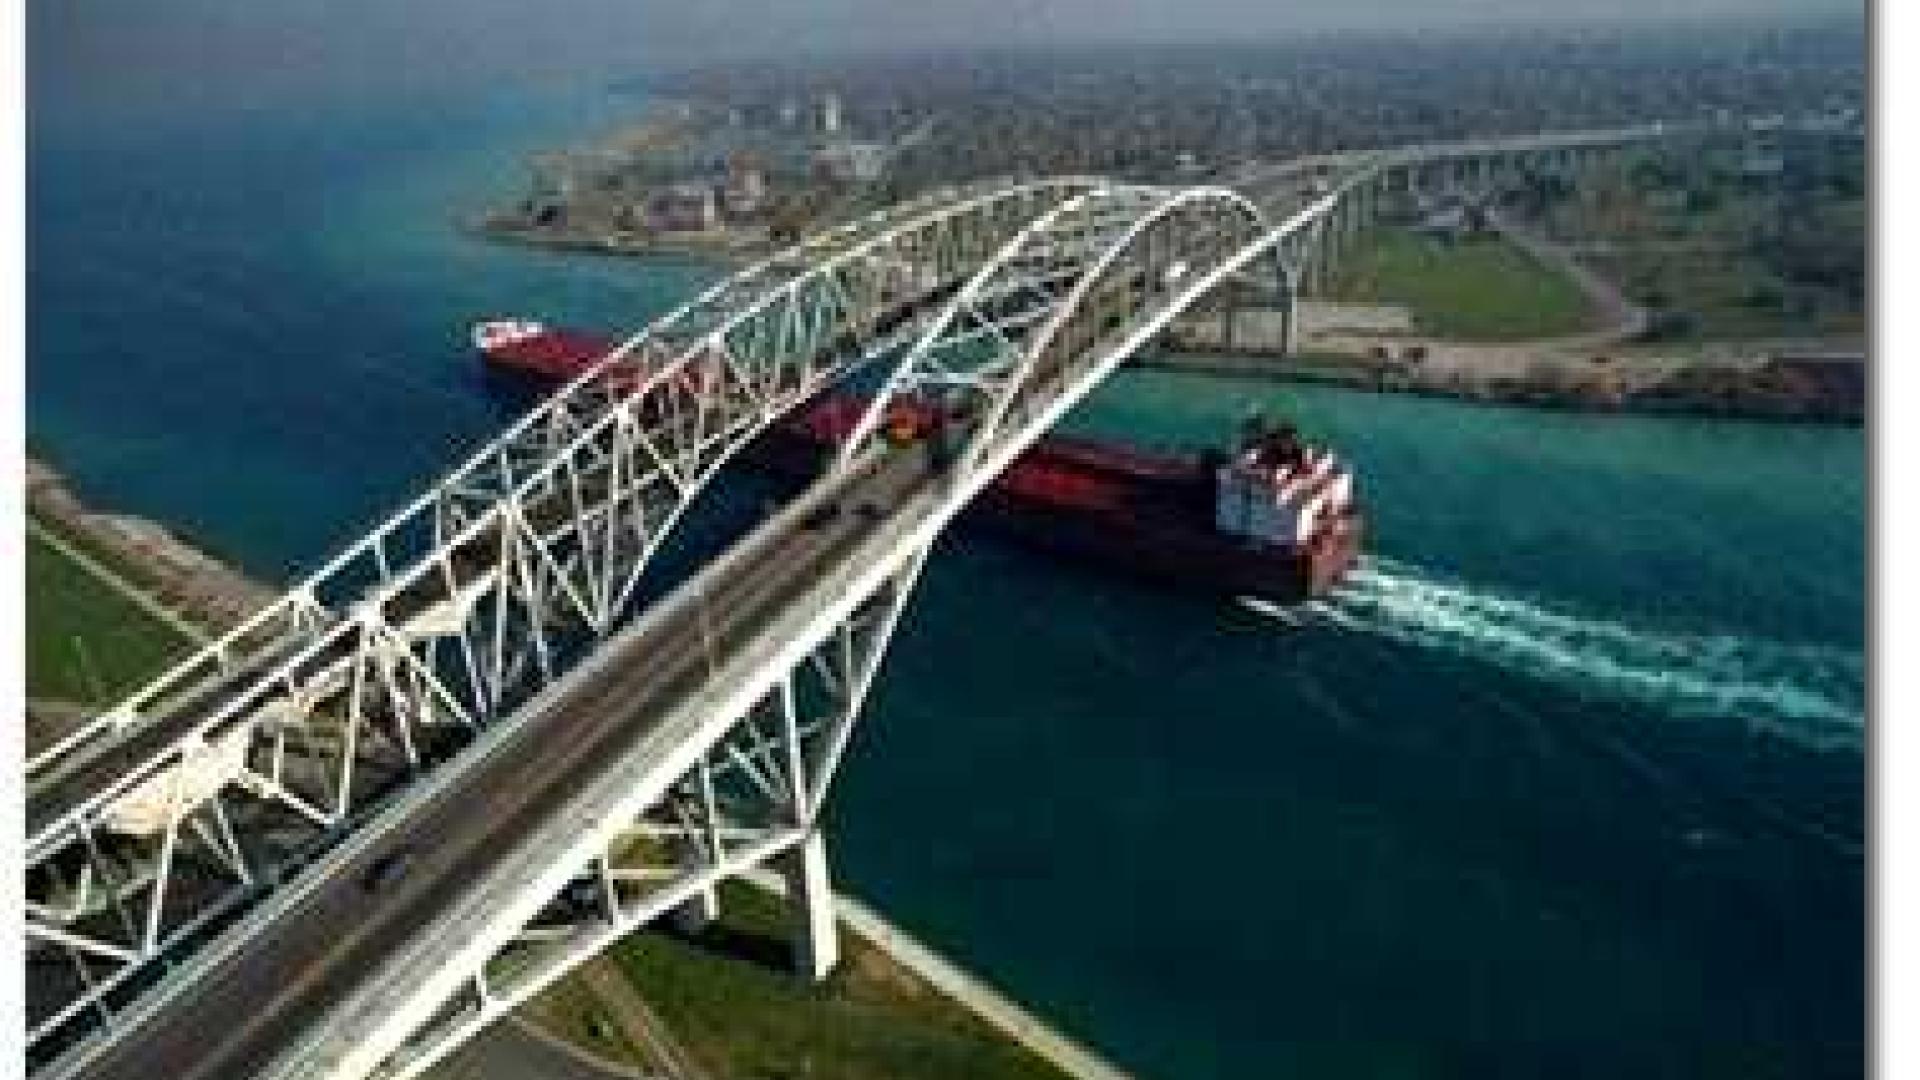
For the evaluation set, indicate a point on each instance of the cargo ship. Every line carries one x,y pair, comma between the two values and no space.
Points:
1275,519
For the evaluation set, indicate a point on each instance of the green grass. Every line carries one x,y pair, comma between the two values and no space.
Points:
1476,289
569,1010
1729,296
731,1001
1734,286
85,641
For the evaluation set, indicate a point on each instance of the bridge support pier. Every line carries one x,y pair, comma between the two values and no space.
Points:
816,943
1290,319
698,911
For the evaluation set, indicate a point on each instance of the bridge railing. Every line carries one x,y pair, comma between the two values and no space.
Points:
545,500
370,562
722,367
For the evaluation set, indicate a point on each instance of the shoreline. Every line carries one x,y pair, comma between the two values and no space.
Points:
718,253
963,988
1739,400
178,581
1693,388
966,990
157,560
187,628
1604,367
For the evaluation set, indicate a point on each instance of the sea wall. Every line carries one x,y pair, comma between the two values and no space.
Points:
1755,381
178,574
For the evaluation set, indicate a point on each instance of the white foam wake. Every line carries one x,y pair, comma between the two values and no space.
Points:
1812,694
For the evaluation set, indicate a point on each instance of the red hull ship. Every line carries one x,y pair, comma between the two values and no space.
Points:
1276,521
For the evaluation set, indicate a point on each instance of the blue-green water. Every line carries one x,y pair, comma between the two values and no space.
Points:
1570,783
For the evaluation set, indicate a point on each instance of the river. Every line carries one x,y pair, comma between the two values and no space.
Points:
1569,782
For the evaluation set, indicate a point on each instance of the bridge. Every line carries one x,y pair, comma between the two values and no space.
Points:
484,741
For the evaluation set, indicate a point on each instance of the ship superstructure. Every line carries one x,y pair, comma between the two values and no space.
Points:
1275,519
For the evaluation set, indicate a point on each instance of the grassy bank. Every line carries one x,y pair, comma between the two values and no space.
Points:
730,999
87,641
570,1010
1725,246
726,994
1479,288
1727,295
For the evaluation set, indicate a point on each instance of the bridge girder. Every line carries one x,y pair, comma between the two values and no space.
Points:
551,527
1076,347
739,787
418,647
532,549
402,651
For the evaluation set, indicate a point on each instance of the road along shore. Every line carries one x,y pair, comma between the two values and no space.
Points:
200,595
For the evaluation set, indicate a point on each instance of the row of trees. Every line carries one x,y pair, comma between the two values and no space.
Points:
1144,111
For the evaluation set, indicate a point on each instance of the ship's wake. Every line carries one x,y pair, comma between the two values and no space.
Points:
1813,695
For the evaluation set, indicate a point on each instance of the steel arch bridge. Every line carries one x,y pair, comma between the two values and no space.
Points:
481,672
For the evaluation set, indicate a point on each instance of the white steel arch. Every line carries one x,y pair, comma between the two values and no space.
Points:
396,1035
903,374
1162,268
1099,227
421,641
884,569
457,607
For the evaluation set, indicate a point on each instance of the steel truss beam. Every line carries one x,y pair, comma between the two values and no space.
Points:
462,606
738,803
745,792
1007,303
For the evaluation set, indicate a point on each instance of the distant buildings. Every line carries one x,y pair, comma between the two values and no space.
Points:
744,191
1451,220
1762,162
1444,223
739,194
684,208
847,160
553,177
1671,200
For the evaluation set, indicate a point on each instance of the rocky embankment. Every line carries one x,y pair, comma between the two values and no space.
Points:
178,574
724,247
199,590
1374,347
1826,387
1820,387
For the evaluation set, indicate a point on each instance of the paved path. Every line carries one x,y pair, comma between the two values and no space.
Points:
326,955
637,1020
991,1006
1621,318
138,596
514,1049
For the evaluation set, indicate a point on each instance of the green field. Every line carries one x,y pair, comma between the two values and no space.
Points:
1728,296
1729,256
1476,289
733,1004
570,1010
86,642
727,994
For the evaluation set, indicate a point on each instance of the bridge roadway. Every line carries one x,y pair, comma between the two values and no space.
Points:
281,975
71,782
55,795
92,769
236,1018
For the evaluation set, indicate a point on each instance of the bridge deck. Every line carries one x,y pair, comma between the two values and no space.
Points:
233,1020
94,768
